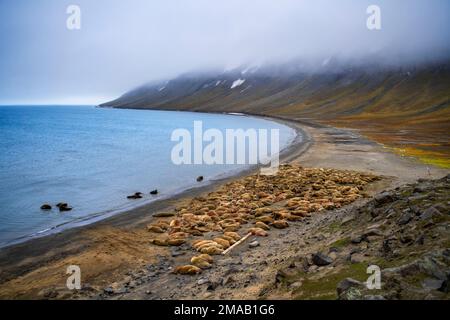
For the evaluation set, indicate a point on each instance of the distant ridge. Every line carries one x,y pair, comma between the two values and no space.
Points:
391,105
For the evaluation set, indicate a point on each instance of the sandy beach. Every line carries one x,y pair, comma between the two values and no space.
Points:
117,250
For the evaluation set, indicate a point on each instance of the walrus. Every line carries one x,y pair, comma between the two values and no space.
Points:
224,243
201,263
280,224
262,225
258,232
187,269
154,228
159,242
233,235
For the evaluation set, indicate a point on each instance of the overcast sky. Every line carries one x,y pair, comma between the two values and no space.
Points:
122,44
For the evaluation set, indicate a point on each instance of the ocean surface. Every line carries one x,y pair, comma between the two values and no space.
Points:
93,158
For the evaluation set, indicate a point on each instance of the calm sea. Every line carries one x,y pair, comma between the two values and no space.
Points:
93,158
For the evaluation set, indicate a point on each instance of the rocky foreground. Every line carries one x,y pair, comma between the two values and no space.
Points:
321,253
406,232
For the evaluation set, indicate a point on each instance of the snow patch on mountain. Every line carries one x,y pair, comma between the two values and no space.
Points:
237,83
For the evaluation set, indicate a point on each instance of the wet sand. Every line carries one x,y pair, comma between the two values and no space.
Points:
112,249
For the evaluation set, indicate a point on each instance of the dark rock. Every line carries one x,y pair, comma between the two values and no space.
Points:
137,195
199,178
420,240
61,204
357,239
163,214
356,258
386,248
176,253
281,275
227,280
418,198
46,207
320,259
406,239
383,198
415,210
346,284
374,297
405,218
212,286
50,294
347,219
445,287
373,232
154,191
430,213
123,290
65,208
390,213
108,290
419,189
432,284
231,270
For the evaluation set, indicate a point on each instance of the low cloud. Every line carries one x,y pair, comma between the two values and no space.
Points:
122,44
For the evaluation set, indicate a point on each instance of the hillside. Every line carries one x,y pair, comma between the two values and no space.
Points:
405,108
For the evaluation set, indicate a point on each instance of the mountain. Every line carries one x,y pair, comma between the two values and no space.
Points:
407,108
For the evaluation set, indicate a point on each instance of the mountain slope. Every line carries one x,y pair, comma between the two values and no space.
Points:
406,108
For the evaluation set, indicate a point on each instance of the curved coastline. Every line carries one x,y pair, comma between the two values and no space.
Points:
299,143
110,248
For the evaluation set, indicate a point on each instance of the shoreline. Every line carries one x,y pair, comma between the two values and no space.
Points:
139,215
97,217
110,247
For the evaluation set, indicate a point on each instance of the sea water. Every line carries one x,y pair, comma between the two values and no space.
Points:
93,158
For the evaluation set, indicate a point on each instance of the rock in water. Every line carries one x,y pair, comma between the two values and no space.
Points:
63,207
137,195
46,207
199,178
154,191
320,259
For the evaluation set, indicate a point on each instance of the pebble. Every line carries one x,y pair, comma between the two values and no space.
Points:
253,244
202,281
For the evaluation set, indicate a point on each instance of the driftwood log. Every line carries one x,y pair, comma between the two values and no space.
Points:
236,244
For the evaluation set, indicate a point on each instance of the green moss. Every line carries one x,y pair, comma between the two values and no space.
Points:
334,226
340,243
325,288
428,157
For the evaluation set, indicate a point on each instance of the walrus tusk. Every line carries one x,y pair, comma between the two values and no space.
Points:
236,244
